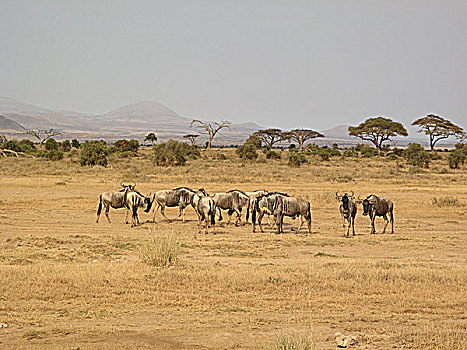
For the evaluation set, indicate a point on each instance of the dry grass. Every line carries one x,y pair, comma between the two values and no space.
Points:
68,282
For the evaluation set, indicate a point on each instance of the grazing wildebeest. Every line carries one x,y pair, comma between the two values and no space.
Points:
251,200
293,207
348,210
178,197
114,199
135,200
206,209
233,201
378,206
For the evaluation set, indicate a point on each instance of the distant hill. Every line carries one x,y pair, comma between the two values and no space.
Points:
337,132
132,120
8,124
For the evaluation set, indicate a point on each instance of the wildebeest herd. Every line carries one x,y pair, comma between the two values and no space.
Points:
259,203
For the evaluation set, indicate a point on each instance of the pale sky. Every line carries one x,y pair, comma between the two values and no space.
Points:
288,64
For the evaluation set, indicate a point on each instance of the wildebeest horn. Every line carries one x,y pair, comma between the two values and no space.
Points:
122,184
352,194
337,194
360,199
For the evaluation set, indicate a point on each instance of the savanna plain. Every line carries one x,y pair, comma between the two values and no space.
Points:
67,282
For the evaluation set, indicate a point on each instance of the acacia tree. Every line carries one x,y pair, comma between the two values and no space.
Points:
43,135
301,136
191,137
210,128
377,130
437,128
151,137
270,136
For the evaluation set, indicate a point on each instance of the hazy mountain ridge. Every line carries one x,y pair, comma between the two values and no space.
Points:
131,119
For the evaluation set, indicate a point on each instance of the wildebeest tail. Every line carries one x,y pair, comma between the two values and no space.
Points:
248,211
99,208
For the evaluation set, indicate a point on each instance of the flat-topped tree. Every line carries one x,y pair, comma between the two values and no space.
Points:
210,128
437,128
301,136
191,137
269,136
151,137
43,135
377,130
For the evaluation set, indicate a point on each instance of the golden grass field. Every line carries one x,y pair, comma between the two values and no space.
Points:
69,283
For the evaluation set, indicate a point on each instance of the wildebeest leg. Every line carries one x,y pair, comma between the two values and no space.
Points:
260,218
373,229
278,218
300,223
386,221
239,217
353,225
391,216
343,221
126,215
107,208
163,213
156,207
309,224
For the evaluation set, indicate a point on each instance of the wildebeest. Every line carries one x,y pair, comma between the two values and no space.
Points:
378,206
348,210
135,200
293,207
251,200
280,205
114,199
233,201
263,205
178,197
206,210
202,193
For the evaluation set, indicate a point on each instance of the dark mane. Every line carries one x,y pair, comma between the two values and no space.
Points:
183,188
279,193
237,191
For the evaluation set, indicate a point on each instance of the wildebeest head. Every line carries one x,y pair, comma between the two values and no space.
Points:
148,202
345,199
367,203
127,187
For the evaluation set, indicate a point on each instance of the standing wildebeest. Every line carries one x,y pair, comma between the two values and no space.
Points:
378,206
206,209
293,207
264,204
348,210
194,203
135,200
251,200
233,201
280,205
114,199
178,197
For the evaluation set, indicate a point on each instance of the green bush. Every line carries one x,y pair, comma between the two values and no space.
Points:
54,155
51,144
368,151
273,155
65,146
254,140
350,153
93,153
125,146
174,153
221,156
247,151
416,155
75,143
458,156
296,159
27,146
12,145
